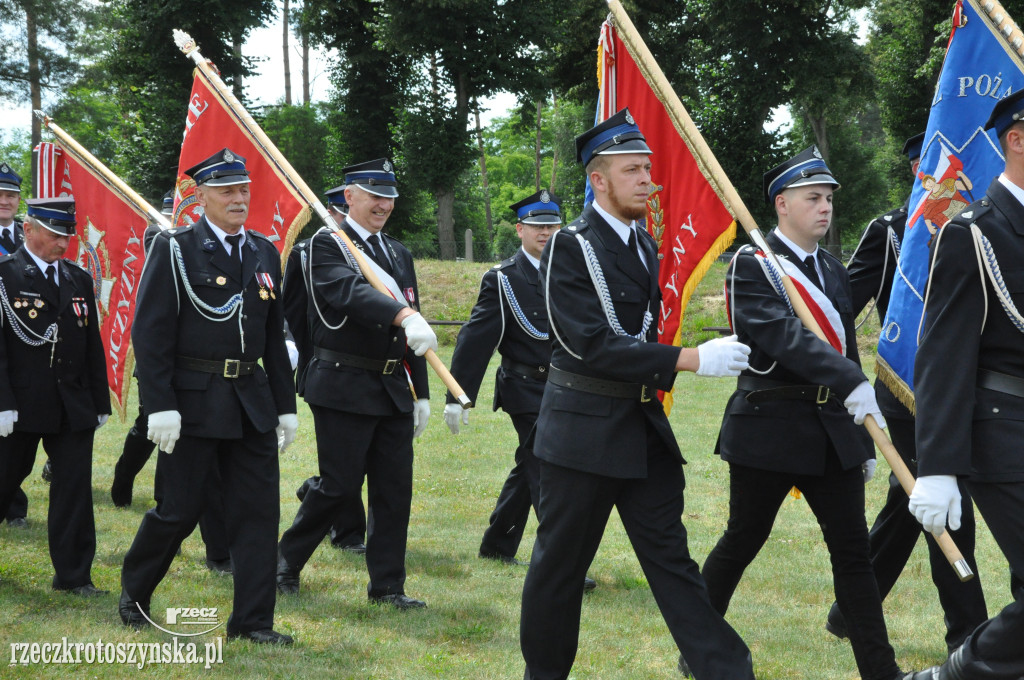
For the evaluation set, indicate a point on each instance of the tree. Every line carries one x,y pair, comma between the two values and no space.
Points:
153,79
38,56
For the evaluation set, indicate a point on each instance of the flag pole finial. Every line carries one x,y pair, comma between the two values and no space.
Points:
184,42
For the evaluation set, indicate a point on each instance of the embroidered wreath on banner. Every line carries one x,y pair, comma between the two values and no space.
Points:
94,257
656,214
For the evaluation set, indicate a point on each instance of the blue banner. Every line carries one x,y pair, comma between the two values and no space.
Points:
958,162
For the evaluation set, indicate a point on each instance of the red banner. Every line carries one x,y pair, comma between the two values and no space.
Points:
109,245
276,208
684,214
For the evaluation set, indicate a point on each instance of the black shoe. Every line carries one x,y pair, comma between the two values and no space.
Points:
47,473
88,590
588,584
354,548
287,577
132,612
220,566
265,636
398,601
684,667
835,623
121,490
501,558
18,523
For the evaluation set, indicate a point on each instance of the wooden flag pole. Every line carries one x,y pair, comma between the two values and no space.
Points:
717,178
113,181
191,50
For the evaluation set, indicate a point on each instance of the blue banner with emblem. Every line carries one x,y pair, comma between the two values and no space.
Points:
958,161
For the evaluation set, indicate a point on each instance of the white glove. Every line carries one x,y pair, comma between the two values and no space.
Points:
287,426
164,429
452,414
868,468
420,414
419,334
934,497
101,420
722,357
861,402
293,353
7,421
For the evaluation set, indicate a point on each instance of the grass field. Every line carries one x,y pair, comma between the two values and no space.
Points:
470,630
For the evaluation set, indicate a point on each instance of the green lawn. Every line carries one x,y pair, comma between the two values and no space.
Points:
470,629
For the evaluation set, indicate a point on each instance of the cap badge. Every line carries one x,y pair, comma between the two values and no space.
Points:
387,166
5,168
545,197
71,209
629,118
817,154
229,157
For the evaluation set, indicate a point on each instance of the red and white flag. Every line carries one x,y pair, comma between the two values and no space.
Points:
108,244
277,209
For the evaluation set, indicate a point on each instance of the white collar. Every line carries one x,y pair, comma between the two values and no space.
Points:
222,235
533,260
1017,191
617,225
42,264
800,252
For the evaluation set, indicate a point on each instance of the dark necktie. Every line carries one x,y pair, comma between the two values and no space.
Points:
378,253
634,246
236,253
812,272
51,280
7,240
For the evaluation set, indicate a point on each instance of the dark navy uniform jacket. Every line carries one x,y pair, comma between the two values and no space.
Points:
168,325
873,265
493,325
36,381
591,432
962,428
365,314
790,435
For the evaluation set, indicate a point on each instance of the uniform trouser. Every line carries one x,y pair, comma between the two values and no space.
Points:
837,501
574,509
249,486
994,650
519,493
895,533
18,508
350,446
137,450
71,529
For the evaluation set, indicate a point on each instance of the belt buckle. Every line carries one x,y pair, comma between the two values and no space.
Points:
823,394
644,396
389,366
232,368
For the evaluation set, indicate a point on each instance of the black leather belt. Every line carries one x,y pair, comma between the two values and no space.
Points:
606,388
764,389
387,367
228,368
528,370
1001,382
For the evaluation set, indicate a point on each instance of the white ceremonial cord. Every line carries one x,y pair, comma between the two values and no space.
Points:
308,274
20,327
547,300
885,267
517,311
234,304
995,275
732,305
597,278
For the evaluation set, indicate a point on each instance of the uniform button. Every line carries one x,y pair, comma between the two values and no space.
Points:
657,375
622,293
995,409
337,365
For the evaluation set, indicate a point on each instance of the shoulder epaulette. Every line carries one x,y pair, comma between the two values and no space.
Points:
972,212
5,258
177,231
398,241
259,234
72,262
